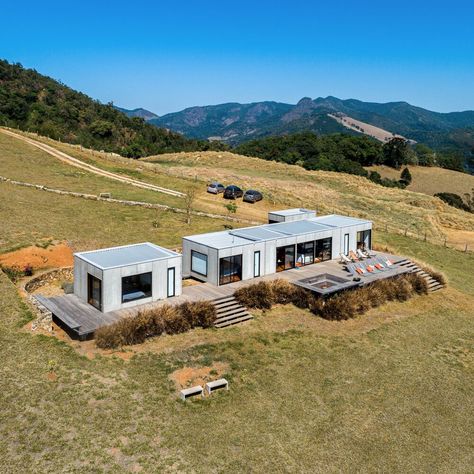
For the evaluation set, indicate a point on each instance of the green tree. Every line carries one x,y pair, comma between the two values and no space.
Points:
396,152
405,176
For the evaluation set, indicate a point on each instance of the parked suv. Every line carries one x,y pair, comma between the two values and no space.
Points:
216,188
252,196
233,192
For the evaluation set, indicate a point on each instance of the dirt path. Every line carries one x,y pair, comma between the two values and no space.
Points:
93,169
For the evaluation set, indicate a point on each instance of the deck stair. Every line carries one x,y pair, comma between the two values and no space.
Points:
229,312
433,284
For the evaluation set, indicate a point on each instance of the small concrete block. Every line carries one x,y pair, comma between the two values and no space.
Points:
186,393
217,385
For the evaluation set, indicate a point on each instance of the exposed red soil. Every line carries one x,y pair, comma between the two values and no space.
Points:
59,255
191,376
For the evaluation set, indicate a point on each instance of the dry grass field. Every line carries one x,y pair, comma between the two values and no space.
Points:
430,181
389,391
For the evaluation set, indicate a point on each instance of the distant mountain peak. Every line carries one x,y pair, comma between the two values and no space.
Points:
139,112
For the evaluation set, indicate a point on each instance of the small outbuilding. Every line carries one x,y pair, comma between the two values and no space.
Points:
290,215
123,277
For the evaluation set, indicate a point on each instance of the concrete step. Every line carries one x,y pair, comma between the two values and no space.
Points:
230,310
222,299
230,317
231,322
227,304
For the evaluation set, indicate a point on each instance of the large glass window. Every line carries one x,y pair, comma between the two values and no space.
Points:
136,287
323,250
285,258
305,253
364,239
198,263
230,269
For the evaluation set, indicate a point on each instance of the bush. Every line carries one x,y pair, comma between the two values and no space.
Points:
258,296
339,308
14,273
418,283
200,313
283,292
155,322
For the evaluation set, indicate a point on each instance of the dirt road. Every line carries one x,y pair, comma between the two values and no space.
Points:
92,169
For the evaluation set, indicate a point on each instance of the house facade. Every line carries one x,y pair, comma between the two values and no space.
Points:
242,254
127,276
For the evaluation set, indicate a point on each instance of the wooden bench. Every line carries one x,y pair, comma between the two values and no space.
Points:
216,385
186,393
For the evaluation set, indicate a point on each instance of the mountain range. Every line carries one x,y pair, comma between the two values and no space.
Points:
235,123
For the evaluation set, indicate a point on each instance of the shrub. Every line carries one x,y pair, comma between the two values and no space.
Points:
302,298
28,270
338,308
283,292
315,305
402,289
258,296
14,273
418,283
200,313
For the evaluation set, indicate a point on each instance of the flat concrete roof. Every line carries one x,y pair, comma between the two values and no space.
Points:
265,232
126,255
292,212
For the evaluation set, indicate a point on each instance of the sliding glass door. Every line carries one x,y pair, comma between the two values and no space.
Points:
364,239
304,253
323,250
230,269
285,258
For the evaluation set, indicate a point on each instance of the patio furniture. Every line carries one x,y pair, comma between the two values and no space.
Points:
360,254
345,259
353,256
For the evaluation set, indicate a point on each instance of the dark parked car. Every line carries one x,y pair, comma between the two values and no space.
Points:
252,196
215,188
233,192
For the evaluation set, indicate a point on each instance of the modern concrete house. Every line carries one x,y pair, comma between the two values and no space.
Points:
123,277
242,254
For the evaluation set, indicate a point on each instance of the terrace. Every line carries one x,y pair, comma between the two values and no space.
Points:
81,319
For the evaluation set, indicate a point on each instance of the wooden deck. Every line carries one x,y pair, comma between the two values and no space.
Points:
83,319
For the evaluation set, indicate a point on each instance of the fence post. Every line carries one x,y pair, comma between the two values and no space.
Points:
445,242
465,248
406,230
386,228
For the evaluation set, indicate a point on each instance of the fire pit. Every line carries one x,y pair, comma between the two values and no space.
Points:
324,283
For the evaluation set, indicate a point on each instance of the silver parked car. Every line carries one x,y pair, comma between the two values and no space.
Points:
215,188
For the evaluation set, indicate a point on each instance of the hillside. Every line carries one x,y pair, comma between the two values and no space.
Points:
283,186
431,180
31,101
235,123
310,394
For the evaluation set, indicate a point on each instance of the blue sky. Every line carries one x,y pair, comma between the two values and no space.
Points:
166,56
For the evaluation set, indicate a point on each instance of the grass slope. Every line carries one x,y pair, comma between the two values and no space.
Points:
397,398
431,180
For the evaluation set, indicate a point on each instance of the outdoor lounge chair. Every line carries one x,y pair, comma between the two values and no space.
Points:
353,256
344,258
361,269
367,253
360,254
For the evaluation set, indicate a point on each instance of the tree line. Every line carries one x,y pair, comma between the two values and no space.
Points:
33,102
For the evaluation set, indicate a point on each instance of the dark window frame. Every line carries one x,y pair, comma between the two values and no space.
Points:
145,295
207,262
259,263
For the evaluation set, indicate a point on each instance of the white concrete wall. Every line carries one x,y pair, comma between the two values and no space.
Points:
267,252
81,269
112,281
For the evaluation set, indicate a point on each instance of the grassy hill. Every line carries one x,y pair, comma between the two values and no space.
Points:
431,180
31,101
381,392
